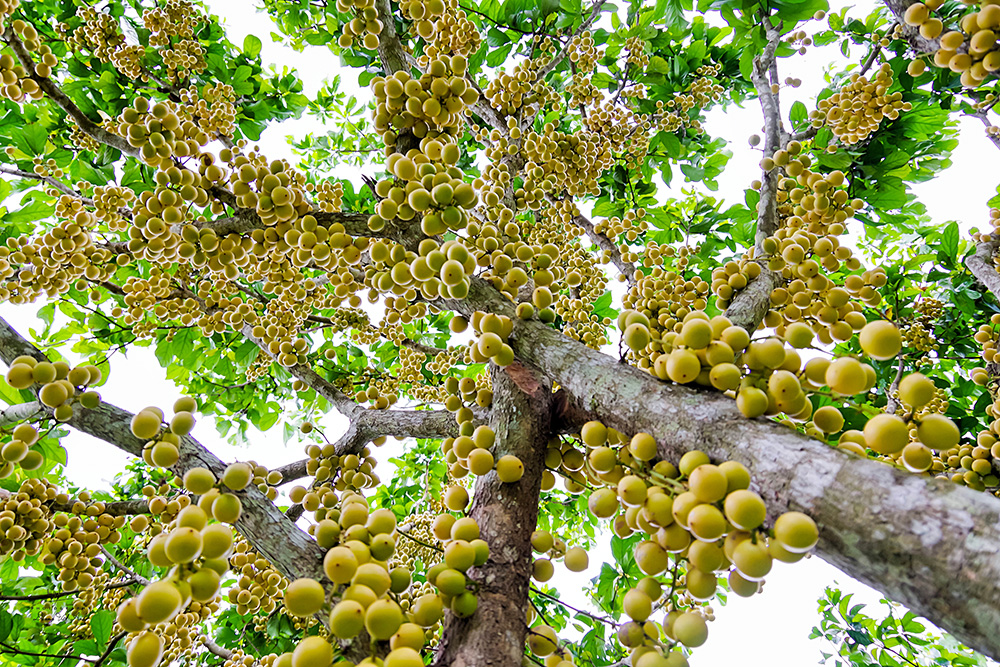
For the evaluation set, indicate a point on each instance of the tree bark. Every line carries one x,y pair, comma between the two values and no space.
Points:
506,514
980,263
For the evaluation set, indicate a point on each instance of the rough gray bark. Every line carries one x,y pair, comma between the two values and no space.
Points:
750,304
506,513
18,413
980,263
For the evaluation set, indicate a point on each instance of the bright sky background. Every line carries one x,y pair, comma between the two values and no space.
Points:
779,620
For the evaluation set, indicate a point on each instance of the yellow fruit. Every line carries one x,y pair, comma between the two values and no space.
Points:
164,454
696,333
304,597
427,610
603,503
480,462
632,490
340,564
752,402
701,585
651,558
182,423
128,617
886,434
706,522
146,425
752,559
594,434
690,629
216,540
159,602
53,394
456,498
742,586
146,650
637,605
465,604
184,404
636,336
237,476
404,656
745,509
510,469
183,545
916,390
542,640
347,619
576,560
374,577
683,366
643,446
880,340
938,432
708,483
828,419
383,619
199,481
204,584
542,569
314,651
917,457
227,508
19,376
846,376
796,532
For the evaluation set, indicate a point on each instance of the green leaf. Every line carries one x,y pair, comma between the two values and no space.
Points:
949,240
6,624
798,114
496,37
100,624
252,46
31,139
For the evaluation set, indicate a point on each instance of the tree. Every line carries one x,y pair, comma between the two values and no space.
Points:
892,640
748,393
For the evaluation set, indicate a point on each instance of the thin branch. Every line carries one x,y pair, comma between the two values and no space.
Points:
60,594
111,646
61,656
124,568
62,187
601,619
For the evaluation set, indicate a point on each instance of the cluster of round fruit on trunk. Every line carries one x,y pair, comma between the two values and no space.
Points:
856,110
970,49
162,446
700,521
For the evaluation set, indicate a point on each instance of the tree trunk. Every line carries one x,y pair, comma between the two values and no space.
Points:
506,514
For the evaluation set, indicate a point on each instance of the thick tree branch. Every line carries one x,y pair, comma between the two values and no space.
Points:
20,412
927,543
506,514
290,550
980,263
607,245
56,94
750,304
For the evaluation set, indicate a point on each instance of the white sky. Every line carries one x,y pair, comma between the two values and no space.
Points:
777,622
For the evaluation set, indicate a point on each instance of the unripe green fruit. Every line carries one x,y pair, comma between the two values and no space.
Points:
542,569
465,605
